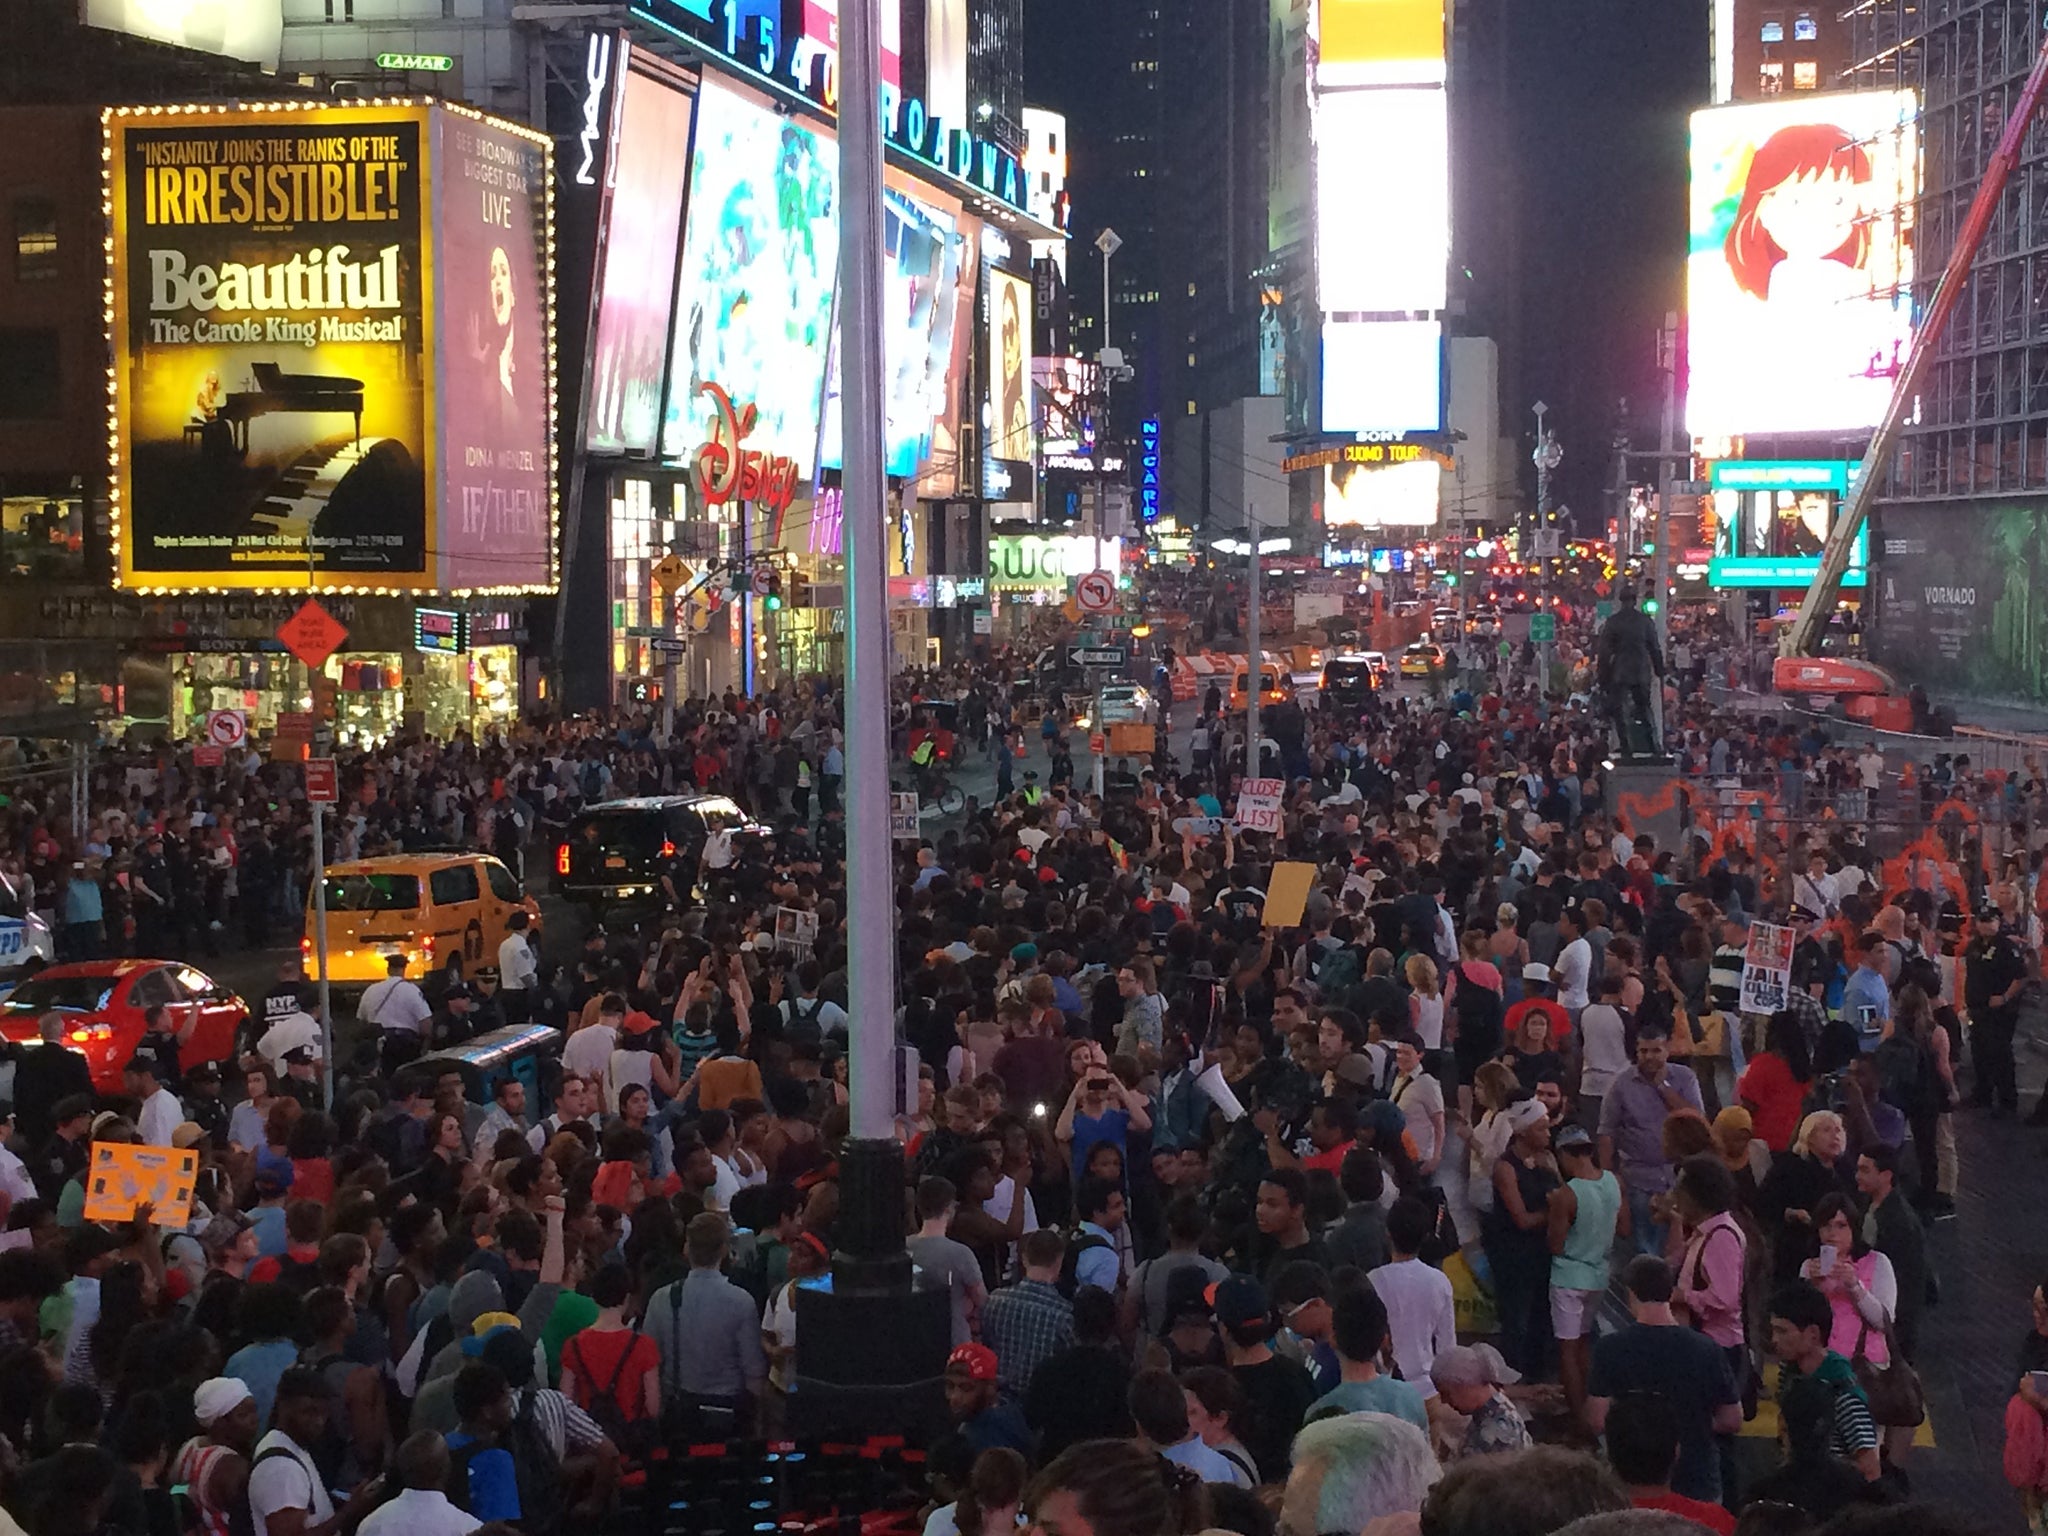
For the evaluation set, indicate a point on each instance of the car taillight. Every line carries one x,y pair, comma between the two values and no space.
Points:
305,946
562,859
428,944
668,848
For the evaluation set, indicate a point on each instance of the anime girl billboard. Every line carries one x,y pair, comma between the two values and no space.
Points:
1801,262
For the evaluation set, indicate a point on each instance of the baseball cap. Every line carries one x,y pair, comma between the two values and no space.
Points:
219,1234
978,1360
1239,1301
1536,970
1472,1365
269,1184
1571,1136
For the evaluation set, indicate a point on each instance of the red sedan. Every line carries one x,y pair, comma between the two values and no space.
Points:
103,1003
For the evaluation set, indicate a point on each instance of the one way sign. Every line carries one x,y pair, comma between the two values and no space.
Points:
1095,655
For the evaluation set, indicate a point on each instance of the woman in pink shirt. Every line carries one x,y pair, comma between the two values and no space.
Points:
1710,1269
1861,1287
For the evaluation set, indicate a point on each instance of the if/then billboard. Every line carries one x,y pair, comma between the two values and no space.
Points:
332,349
1800,271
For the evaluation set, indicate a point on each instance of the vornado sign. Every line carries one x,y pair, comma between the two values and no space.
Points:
332,348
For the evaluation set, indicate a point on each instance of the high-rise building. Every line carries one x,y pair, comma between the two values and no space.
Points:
1959,535
1765,48
995,70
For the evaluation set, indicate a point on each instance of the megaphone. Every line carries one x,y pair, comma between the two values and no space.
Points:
1220,1092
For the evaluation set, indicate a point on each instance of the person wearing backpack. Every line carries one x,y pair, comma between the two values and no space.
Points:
287,1495
1091,1247
611,1370
483,1477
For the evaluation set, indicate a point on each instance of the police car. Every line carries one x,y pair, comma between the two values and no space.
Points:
25,941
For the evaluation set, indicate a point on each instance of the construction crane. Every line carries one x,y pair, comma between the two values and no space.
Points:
1802,638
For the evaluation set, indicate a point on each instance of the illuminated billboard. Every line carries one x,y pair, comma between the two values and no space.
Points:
753,306
1800,269
1383,242
1049,559
495,404
1770,521
1289,209
1402,495
332,349
1007,439
1382,375
1380,42
643,226
927,286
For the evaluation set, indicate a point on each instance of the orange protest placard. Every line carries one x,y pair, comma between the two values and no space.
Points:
123,1177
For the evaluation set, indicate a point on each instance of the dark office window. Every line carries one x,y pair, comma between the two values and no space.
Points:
35,239
28,375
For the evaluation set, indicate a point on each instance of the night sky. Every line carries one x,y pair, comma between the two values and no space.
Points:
1601,90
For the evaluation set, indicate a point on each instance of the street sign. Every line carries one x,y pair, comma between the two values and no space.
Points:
670,573
1096,655
1109,242
226,728
312,634
1547,542
668,645
208,757
1692,487
323,784
1098,744
1095,592
1543,627
763,577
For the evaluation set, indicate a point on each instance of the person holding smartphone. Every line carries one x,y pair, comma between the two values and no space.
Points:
1098,1109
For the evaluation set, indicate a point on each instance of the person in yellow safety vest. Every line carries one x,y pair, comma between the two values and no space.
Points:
922,754
1033,791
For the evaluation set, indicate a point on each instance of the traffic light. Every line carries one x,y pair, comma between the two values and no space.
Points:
772,600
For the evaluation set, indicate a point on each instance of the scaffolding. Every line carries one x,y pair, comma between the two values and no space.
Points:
1981,429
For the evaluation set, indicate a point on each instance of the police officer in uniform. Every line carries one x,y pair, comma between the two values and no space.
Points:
1994,975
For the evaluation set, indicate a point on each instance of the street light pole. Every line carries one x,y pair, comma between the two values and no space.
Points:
871,1234
1254,662
1547,457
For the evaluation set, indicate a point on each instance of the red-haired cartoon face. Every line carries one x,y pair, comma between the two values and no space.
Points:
1801,202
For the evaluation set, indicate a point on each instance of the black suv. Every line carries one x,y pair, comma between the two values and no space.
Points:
615,851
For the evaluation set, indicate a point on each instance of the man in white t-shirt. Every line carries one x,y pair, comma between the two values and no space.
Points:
588,1052
1422,1315
287,1495
1574,968
160,1113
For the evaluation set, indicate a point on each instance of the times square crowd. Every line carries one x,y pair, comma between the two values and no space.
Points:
1469,1202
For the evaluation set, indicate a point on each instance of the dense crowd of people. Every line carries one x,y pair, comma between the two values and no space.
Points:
1478,1192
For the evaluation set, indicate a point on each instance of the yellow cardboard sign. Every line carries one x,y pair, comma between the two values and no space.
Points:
1287,894
122,1177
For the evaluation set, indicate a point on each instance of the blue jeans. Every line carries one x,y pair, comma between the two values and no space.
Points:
1645,1235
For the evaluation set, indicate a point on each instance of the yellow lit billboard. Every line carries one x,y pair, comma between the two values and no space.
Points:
295,401
1380,42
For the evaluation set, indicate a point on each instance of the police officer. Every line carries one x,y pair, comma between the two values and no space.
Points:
1994,974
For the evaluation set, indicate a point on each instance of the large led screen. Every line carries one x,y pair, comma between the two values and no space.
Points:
1383,201
1382,495
927,265
1382,376
1801,265
1006,422
754,289
496,405
644,224
1380,42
